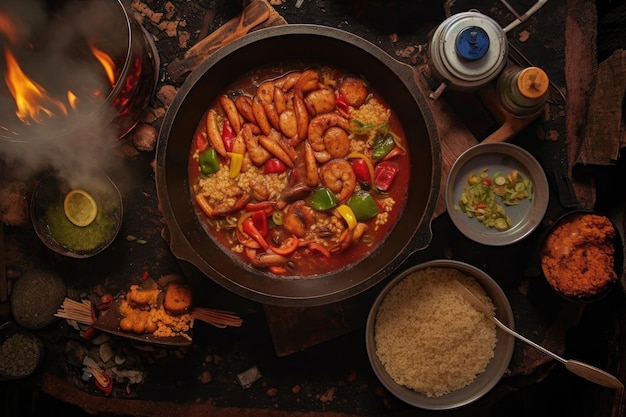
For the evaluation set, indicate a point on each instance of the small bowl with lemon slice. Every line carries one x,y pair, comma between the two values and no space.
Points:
79,216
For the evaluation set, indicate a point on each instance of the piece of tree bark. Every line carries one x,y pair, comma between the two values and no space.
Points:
604,130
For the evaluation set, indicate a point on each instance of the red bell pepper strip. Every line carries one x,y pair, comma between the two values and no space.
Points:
247,241
274,165
105,302
259,220
397,151
103,381
316,247
278,270
342,105
253,232
288,247
202,142
89,333
384,174
228,135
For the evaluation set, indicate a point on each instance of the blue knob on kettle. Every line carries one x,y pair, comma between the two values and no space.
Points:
472,43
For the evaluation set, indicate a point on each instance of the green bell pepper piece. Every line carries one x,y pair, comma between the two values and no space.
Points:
383,144
209,161
322,199
363,205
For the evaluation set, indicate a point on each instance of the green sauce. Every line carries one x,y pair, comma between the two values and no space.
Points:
90,237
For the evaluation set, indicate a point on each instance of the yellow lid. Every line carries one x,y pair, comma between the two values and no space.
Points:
532,82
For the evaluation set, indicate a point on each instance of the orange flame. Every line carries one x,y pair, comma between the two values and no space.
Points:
31,98
105,60
72,99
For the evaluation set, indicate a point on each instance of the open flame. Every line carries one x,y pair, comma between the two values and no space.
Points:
32,100
105,60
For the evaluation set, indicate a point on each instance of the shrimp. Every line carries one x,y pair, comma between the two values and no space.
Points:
265,92
261,116
287,81
298,218
348,237
265,96
239,144
338,176
228,105
320,124
213,132
265,259
222,209
337,142
302,114
280,101
277,147
288,124
311,176
244,105
257,153
354,90
320,101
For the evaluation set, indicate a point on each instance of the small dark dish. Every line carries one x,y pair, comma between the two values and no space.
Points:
502,157
485,381
587,248
57,232
22,352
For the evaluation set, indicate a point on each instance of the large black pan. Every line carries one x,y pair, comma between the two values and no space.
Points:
324,45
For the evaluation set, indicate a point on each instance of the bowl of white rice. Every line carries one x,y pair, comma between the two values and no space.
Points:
427,344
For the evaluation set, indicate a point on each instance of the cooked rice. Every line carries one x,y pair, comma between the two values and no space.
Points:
219,188
428,337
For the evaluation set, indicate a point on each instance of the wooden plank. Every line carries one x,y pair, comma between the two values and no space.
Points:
256,15
604,130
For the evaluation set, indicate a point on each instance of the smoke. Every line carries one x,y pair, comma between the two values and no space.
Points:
49,39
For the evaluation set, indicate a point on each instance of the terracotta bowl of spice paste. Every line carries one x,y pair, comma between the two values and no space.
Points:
582,256
77,215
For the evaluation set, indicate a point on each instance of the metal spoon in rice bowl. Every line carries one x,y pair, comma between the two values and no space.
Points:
581,369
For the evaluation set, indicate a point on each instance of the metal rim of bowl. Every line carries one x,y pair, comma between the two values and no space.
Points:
483,382
51,243
532,219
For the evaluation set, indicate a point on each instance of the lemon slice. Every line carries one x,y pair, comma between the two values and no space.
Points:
80,207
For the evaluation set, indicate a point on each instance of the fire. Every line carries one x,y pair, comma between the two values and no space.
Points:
33,101
31,98
105,60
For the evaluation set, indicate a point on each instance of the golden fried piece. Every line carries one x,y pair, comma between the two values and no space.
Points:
141,296
178,298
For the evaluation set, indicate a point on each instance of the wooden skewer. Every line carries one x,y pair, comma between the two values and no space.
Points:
81,313
75,310
217,318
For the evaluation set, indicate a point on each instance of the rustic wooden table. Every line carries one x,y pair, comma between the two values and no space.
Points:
312,361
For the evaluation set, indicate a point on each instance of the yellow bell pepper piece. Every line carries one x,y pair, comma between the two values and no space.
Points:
236,161
348,215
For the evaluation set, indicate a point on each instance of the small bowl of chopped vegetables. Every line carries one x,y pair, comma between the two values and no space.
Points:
496,193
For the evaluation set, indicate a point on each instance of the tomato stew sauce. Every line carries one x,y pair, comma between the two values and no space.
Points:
299,170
